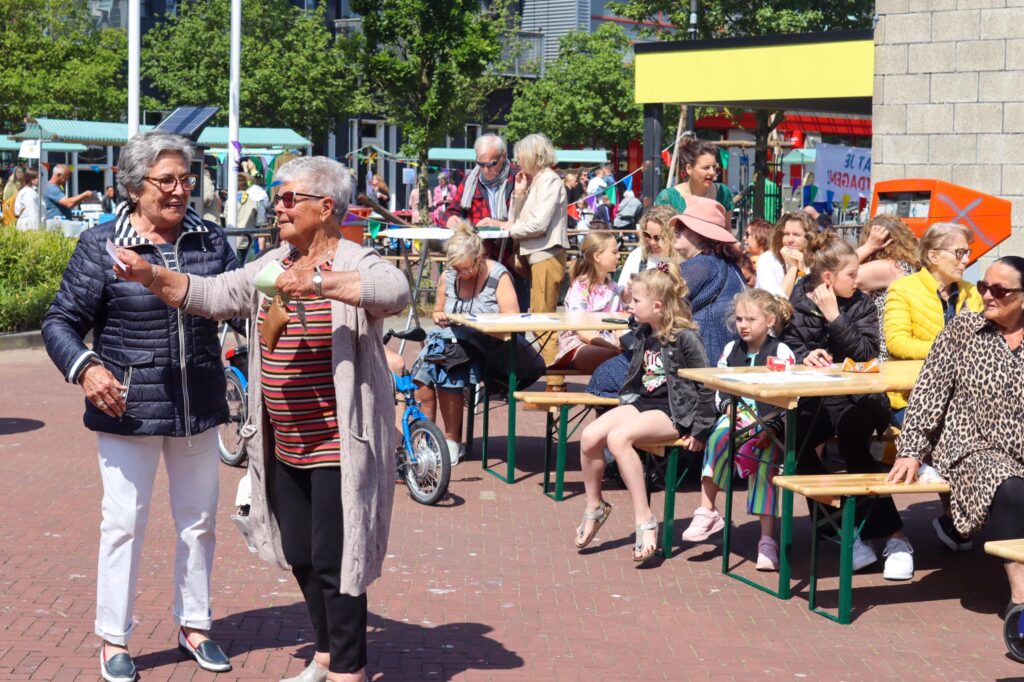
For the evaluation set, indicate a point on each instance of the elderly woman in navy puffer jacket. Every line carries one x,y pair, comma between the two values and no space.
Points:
153,384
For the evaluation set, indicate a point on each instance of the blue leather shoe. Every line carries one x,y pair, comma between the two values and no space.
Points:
208,655
120,668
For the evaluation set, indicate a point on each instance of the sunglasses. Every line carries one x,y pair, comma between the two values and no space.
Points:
288,198
957,253
651,237
168,183
998,291
491,164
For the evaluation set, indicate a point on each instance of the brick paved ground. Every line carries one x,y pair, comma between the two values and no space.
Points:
487,586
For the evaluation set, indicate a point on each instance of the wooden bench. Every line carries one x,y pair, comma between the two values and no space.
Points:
1011,550
560,403
842,491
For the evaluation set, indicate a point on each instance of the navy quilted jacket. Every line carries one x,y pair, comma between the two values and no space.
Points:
169,360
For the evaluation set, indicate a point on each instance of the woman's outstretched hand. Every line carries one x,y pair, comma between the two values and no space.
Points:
137,268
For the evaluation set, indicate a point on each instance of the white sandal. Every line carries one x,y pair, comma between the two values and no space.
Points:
639,555
598,516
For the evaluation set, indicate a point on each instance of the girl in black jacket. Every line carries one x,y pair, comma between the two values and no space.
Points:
655,403
832,321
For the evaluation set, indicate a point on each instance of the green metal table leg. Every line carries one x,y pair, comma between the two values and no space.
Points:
812,597
846,561
786,532
485,435
513,386
563,443
729,468
669,515
548,437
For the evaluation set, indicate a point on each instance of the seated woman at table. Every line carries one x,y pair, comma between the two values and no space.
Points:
655,404
592,291
967,422
832,321
759,318
916,309
656,243
782,265
475,285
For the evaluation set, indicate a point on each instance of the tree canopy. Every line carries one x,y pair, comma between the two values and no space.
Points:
734,18
428,66
585,97
293,73
58,63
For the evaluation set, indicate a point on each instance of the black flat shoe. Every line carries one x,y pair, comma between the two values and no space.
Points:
208,654
120,668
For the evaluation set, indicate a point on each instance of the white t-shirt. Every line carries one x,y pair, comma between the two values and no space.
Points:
26,208
596,185
770,274
632,266
783,351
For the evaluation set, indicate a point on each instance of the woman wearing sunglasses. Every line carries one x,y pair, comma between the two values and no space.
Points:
964,414
154,386
321,405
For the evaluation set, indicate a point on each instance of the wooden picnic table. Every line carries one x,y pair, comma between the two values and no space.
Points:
512,326
895,375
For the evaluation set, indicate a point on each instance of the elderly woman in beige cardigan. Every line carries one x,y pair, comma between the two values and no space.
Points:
320,432
538,221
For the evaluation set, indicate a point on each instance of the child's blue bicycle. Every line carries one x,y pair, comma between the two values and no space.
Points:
424,462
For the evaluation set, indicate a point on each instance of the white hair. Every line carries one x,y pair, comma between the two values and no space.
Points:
492,141
321,176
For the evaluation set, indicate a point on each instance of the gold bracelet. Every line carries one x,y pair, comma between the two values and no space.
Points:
156,273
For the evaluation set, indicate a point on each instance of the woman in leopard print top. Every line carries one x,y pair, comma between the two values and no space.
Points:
964,413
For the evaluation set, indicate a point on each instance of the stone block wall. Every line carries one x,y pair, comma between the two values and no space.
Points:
949,98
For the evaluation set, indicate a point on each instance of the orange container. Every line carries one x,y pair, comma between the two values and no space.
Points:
920,203
354,232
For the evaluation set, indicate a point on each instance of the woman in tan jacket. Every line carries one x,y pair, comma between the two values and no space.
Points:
538,221
320,433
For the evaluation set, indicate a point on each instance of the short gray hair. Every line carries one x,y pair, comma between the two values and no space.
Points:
937,235
322,176
141,153
492,141
535,152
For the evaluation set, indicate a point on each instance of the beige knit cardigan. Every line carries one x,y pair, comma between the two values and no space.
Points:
366,405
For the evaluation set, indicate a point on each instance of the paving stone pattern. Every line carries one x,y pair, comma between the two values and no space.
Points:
485,587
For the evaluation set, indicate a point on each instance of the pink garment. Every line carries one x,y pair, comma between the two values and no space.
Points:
604,298
443,194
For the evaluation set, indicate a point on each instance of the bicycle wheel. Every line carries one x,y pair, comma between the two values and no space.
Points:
428,468
1011,633
229,434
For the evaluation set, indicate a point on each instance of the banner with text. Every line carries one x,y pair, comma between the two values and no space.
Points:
843,173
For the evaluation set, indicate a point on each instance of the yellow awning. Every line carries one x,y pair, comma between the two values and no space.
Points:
813,72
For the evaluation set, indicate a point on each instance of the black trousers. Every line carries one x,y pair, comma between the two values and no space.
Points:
852,423
307,503
1006,516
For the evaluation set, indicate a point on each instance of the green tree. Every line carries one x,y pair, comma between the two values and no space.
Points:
293,74
733,18
428,66
585,97
57,63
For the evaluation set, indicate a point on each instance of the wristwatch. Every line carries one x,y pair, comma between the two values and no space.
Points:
318,282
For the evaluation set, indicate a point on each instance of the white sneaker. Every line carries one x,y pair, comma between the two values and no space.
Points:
863,554
899,562
454,451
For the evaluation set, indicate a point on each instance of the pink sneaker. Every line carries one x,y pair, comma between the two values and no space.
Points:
705,523
767,554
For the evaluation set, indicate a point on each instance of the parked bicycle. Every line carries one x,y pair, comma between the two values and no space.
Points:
424,462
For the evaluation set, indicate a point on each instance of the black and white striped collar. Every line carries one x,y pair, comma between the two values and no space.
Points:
125,235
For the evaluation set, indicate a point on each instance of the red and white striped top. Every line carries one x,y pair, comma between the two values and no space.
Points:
298,387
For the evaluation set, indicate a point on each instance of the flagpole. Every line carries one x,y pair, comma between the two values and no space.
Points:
133,67
234,147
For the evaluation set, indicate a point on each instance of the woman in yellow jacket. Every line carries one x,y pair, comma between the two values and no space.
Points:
916,310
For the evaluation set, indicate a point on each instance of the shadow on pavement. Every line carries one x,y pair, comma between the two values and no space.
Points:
9,427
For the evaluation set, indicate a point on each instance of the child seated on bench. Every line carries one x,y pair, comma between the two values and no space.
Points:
656,404
592,290
759,318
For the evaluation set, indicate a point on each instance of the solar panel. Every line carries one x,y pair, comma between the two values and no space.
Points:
188,121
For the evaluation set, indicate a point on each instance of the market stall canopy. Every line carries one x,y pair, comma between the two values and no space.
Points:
831,72
7,145
800,156
104,133
468,155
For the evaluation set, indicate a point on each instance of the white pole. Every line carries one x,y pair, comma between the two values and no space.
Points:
233,157
133,67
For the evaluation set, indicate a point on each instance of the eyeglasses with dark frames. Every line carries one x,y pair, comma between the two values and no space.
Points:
168,183
998,291
957,253
288,198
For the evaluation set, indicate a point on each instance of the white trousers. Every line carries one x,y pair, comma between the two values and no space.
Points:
128,467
